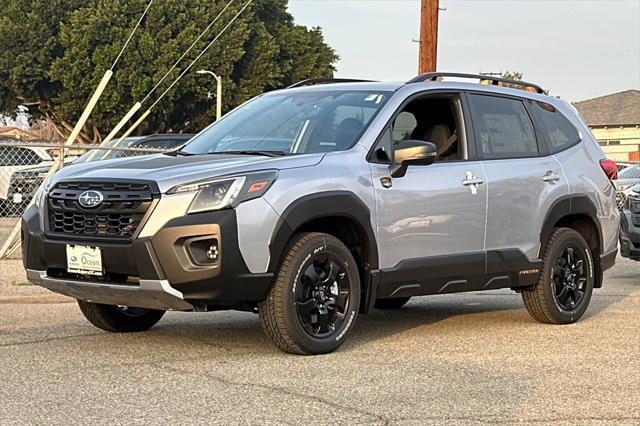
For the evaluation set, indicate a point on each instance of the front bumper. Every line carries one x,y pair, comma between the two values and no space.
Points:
152,272
150,294
629,235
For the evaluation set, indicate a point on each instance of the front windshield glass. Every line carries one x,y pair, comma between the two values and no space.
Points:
292,123
632,172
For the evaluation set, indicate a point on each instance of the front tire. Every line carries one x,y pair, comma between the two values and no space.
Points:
564,290
119,319
314,301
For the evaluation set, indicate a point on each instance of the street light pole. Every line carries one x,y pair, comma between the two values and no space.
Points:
218,91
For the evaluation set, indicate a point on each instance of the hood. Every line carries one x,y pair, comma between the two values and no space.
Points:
625,183
168,171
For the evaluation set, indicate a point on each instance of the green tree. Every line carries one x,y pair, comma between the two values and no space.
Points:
72,43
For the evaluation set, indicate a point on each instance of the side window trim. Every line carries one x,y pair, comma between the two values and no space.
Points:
543,150
469,137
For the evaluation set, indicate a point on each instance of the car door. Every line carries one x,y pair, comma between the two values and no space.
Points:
523,181
430,222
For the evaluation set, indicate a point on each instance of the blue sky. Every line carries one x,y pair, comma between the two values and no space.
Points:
578,49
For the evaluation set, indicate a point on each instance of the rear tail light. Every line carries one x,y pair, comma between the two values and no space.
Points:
610,168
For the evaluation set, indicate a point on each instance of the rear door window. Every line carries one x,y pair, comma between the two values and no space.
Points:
503,128
560,133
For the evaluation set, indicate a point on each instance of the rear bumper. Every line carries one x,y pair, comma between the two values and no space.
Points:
155,272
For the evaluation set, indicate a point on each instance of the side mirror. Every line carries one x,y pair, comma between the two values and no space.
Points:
412,153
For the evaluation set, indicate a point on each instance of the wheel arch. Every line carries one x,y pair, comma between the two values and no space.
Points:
341,214
579,213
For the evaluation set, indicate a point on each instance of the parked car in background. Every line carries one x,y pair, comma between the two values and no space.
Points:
24,183
623,165
314,204
159,141
630,225
14,159
627,179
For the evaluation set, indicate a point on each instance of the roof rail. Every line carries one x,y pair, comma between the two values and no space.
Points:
433,76
317,81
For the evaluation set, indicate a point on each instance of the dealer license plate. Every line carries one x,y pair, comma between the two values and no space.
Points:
84,260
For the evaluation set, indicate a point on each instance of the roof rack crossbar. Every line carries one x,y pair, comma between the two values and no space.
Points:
433,76
316,81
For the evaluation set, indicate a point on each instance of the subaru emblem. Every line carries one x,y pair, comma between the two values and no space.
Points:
90,199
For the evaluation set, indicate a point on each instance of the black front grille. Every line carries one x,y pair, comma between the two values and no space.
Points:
117,217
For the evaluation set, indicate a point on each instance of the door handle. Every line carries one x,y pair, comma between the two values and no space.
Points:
550,177
470,179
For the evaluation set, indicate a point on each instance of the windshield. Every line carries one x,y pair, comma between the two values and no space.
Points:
632,172
292,123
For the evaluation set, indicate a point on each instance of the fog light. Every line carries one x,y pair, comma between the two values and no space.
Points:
212,252
205,251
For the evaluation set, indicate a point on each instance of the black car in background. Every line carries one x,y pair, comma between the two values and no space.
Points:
630,225
24,183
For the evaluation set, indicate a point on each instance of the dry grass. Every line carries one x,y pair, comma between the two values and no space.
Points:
14,287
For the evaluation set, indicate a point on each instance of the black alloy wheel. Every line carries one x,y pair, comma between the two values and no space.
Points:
322,296
569,277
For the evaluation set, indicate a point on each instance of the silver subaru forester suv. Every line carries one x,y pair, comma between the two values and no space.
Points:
315,204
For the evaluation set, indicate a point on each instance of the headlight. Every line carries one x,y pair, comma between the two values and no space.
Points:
41,193
220,193
633,204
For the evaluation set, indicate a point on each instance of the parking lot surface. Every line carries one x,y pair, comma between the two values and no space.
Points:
455,359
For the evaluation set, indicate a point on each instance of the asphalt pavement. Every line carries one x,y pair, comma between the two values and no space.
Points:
471,358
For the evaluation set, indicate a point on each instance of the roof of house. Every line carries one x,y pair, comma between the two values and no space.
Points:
617,109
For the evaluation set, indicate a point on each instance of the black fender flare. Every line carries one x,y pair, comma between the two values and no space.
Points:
567,206
310,207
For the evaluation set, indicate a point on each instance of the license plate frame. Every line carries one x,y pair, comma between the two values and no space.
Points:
84,260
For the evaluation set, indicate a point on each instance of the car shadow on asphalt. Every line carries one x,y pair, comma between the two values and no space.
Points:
242,331
491,309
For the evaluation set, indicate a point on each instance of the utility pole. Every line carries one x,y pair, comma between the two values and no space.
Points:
428,35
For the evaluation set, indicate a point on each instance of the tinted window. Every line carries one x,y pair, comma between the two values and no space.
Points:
503,128
560,132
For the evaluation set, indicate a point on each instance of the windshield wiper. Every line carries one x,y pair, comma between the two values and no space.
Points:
178,152
250,152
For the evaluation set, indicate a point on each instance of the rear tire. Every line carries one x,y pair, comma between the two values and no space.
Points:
314,301
564,290
396,303
119,319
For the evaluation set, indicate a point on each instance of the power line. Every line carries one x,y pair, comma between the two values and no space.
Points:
126,43
201,53
187,51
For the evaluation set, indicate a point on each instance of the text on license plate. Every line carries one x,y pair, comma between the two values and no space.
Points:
84,260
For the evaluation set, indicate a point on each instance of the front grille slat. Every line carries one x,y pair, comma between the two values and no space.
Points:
117,217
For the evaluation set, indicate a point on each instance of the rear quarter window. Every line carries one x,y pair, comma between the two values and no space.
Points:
559,131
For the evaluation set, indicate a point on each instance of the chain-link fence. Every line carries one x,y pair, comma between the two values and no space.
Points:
23,168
